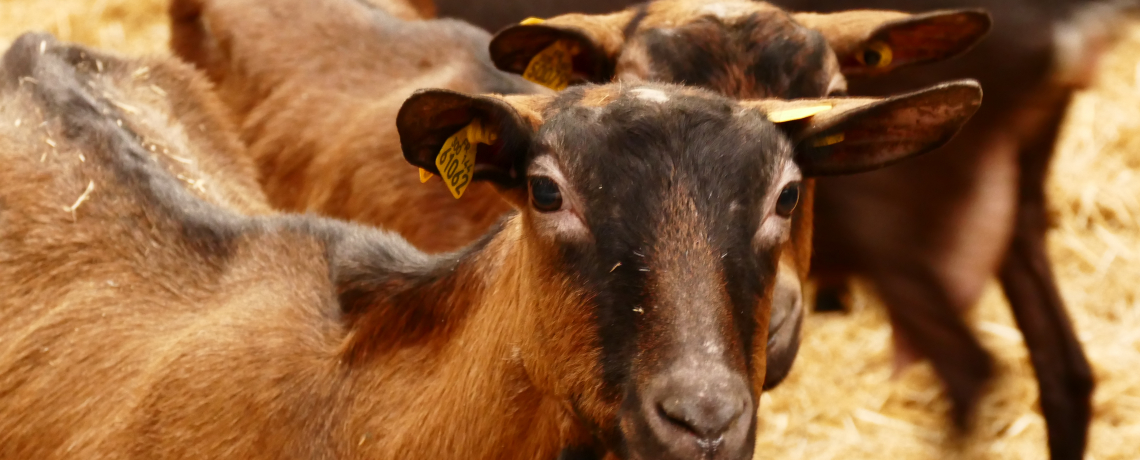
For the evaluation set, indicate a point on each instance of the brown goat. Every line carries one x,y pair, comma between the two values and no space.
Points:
154,317
318,129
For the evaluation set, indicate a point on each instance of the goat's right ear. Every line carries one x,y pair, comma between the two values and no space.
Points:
564,50
850,135
870,42
465,138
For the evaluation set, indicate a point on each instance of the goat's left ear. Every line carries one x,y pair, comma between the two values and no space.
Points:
564,50
465,138
871,42
851,135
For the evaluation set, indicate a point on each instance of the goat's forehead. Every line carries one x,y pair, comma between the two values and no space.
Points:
658,133
742,49
673,13
731,25
578,105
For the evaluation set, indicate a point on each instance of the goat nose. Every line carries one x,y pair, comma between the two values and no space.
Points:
707,413
700,411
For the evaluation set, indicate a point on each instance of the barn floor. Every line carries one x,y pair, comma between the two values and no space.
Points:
841,400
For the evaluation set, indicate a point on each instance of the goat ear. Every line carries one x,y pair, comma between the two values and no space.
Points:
874,42
851,135
563,50
465,138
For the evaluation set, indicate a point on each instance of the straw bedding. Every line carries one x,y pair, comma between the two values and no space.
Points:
842,401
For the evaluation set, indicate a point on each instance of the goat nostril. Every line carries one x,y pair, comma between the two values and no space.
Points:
674,417
707,418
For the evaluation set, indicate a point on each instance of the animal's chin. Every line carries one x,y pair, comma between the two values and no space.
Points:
633,452
637,456
650,448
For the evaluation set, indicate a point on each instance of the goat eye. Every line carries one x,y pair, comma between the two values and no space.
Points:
544,194
872,57
789,198
877,55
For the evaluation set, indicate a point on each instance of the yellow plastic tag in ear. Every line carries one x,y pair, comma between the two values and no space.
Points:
532,21
424,175
877,54
456,160
552,66
829,140
784,116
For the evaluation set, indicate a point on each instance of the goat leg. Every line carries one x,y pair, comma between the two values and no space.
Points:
1063,372
921,311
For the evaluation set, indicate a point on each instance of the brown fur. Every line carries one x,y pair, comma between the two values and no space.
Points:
319,123
124,338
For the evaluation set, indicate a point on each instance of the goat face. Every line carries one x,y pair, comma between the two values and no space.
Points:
652,223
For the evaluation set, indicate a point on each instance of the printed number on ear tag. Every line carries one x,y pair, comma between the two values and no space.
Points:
784,116
456,160
553,66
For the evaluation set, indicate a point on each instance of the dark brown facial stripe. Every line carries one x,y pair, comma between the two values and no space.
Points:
684,151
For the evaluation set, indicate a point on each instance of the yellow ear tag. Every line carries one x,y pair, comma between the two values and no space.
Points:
456,160
829,140
532,21
877,54
552,67
424,175
784,116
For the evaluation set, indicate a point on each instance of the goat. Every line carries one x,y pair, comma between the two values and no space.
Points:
160,316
